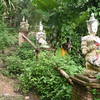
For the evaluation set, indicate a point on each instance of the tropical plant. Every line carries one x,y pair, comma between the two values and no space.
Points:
67,19
41,75
6,39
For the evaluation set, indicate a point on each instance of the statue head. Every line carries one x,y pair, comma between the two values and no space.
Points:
41,26
23,20
24,25
92,25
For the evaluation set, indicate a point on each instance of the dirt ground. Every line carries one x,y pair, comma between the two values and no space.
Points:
7,86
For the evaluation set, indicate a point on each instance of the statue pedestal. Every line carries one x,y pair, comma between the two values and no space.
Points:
83,87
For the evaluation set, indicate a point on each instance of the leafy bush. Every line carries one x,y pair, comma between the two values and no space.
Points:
23,54
96,94
14,65
98,76
17,62
6,38
41,75
67,18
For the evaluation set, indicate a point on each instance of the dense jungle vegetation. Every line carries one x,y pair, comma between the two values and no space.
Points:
62,19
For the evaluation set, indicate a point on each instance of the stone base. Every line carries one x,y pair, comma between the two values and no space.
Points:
83,87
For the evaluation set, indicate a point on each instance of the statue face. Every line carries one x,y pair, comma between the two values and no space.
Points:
24,26
94,27
41,28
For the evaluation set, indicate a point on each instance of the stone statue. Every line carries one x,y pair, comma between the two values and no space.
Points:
91,46
41,37
24,26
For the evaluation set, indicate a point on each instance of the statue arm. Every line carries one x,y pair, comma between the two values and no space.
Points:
84,47
87,48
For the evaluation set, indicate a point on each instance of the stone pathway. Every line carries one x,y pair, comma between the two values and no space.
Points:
7,91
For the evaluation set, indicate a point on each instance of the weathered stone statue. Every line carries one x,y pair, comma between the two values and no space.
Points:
24,26
41,37
91,47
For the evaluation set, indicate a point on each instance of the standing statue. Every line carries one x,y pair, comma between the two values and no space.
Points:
41,37
24,26
91,46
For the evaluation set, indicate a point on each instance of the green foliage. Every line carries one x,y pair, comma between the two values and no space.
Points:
98,76
15,65
16,62
62,19
6,38
96,93
41,75
67,18
26,53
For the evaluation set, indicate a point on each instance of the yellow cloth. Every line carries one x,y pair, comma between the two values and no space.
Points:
64,52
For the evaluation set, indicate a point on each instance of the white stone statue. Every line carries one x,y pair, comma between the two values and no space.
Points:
92,24
24,26
41,37
91,46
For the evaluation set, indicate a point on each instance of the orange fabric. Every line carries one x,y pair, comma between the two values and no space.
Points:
64,52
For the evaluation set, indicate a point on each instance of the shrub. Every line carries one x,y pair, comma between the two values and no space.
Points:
41,75
6,38
14,65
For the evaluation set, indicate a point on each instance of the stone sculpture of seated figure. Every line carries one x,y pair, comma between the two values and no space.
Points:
91,46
